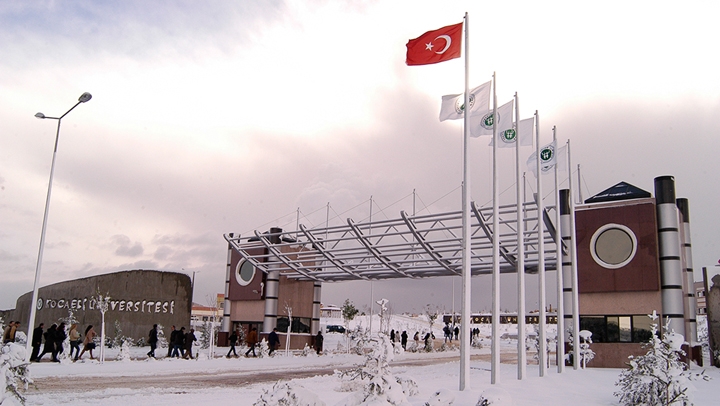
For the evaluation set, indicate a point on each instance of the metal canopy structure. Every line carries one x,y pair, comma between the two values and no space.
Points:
411,246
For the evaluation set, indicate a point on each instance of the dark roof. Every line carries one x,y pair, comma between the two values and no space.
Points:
621,191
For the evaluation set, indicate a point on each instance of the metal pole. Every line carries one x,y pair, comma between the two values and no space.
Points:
495,349
560,307
522,359
465,305
541,255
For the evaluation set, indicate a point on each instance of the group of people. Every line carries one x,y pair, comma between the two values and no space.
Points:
449,332
9,332
54,338
180,344
251,340
403,338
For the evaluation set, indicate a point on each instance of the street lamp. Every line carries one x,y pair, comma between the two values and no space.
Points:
33,303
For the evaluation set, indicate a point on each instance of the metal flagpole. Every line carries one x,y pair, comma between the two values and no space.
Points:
541,255
465,306
522,361
495,351
560,308
573,256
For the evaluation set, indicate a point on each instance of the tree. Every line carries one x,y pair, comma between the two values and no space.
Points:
658,377
349,311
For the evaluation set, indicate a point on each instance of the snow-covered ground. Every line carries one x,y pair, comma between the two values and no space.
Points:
592,386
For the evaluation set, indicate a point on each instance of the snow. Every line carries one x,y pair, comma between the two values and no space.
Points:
591,386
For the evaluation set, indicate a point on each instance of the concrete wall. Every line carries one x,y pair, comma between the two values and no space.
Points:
139,299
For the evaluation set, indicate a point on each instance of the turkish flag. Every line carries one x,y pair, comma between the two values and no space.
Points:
435,46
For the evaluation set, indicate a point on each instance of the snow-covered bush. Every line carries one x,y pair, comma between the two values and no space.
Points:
162,340
122,342
263,349
443,397
494,397
14,373
532,341
288,394
658,377
375,383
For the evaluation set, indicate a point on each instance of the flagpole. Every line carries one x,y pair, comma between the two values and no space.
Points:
495,350
560,308
573,253
522,361
465,337
541,255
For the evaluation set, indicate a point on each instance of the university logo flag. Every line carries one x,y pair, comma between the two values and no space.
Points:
548,158
482,124
453,105
524,130
435,46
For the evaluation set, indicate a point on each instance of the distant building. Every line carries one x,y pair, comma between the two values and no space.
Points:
700,298
200,314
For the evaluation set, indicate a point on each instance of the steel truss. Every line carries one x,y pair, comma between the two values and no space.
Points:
412,246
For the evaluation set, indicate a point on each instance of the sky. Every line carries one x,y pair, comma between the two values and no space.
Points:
217,117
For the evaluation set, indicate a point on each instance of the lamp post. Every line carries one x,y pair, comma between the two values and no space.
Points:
33,303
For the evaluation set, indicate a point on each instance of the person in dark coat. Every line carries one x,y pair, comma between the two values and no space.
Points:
273,341
60,336
37,337
189,339
49,346
403,339
171,343
179,343
152,340
319,342
233,340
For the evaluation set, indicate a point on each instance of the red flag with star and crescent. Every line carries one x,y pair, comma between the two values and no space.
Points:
435,46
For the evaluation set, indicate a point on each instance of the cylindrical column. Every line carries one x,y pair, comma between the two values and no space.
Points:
315,322
690,301
671,279
225,327
566,272
566,264
272,289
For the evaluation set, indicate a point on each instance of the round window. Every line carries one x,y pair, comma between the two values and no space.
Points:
244,272
613,246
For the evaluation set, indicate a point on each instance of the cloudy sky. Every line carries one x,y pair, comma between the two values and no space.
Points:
215,117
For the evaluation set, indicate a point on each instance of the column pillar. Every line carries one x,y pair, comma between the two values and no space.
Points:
272,289
690,300
315,322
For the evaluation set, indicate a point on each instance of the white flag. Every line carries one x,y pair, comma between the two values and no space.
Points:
453,105
547,159
525,131
483,124
507,138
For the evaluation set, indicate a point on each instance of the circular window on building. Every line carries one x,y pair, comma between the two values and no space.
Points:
244,272
613,246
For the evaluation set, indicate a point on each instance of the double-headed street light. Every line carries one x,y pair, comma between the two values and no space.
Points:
33,303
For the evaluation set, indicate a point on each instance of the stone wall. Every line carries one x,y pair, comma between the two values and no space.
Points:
138,299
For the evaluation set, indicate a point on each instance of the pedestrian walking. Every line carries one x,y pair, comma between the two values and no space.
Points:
88,342
49,346
233,340
74,340
403,339
189,339
319,342
273,341
251,340
9,333
60,336
171,343
36,342
152,340
179,343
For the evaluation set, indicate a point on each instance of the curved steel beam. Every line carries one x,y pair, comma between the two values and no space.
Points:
503,251
329,256
374,251
279,255
243,254
426,246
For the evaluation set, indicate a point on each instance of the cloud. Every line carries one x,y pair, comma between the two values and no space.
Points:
125,247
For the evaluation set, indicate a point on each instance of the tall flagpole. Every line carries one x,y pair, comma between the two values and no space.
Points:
465,306
522,361
495,351
560,308
541,255
573,258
